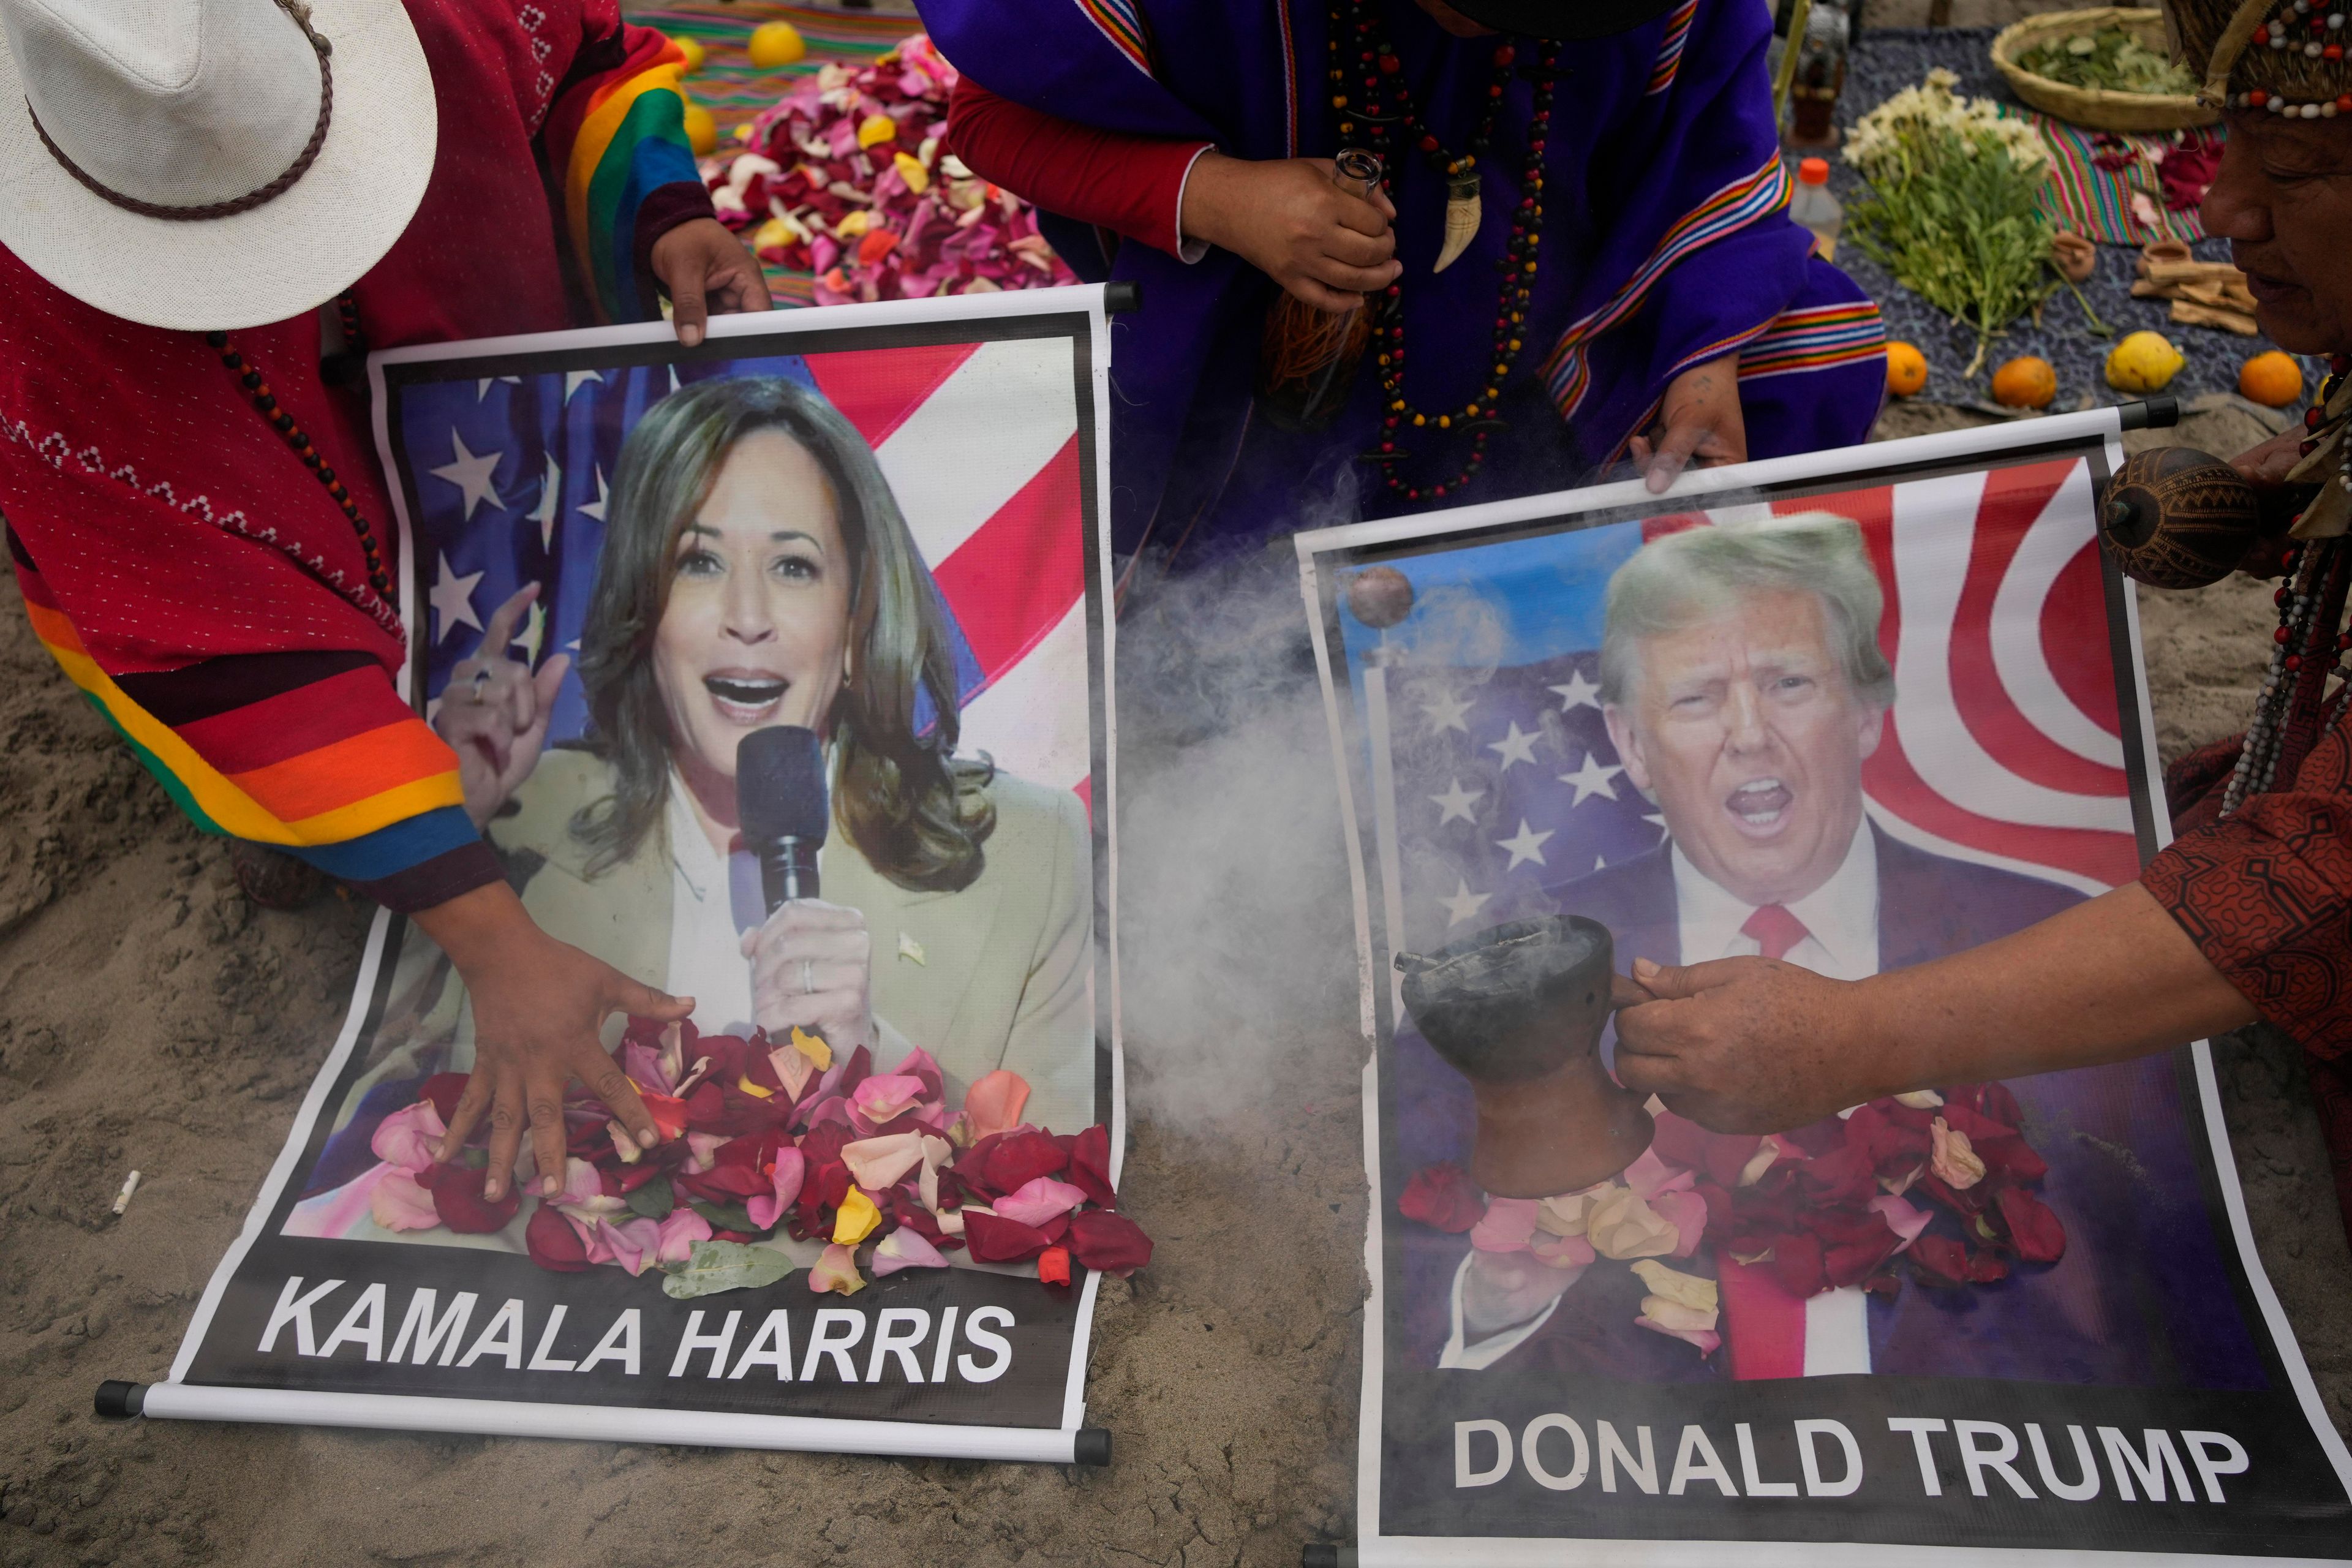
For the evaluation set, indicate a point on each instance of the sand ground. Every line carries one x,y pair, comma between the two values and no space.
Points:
154,1020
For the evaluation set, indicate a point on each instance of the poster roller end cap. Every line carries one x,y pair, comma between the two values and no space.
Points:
2151,413
1122,297
119,1401
1092,1447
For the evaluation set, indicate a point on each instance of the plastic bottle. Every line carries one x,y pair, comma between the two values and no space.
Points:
1309,358
1814,208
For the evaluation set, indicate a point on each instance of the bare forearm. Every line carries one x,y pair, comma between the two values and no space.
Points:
2110,979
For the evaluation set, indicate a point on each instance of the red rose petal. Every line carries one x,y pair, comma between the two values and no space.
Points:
444,1089
2038,1235
1843,1175
1797,1263
1089,1169
669,1112
553,1242
1939,1261
1109,1242
1443,1197
1053,1266
995,1239
458,1198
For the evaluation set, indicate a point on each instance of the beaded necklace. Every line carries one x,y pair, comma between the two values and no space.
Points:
265,403
1360,52
2308,647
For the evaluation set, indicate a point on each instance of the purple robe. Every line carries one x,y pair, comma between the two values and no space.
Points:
1665,243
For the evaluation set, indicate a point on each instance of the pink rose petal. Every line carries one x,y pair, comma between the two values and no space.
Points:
1649,1175
1686,1212
1039,1199
880,1100
674,1237
837,1271
1902,1218
408,1138
768,1208
906,1248
1563,1251
1508,1226
878,1162
994,1103
399,1204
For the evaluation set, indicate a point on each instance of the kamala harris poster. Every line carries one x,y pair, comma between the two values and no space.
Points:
2017,1315
890,1134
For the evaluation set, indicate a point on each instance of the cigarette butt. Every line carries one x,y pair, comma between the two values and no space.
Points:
123,1198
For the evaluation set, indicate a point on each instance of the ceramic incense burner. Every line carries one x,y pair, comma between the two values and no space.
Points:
1519,1009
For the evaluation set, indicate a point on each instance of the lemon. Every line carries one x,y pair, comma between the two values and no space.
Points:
693,51
776,44
1906,369
701,130
2143,361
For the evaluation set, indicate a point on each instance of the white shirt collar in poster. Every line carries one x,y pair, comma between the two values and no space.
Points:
1839,917
714,899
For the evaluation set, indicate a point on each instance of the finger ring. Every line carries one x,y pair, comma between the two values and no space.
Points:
808,978
481,679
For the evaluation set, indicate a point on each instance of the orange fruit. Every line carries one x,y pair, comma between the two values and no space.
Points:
1906,369
701,130
2026,382
2272,379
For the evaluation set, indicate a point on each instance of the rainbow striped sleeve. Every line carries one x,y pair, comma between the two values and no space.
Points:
312,752
616,146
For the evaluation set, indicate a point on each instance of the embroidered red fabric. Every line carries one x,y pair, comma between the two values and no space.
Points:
2267,897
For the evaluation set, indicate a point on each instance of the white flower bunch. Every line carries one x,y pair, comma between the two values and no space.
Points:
1888,136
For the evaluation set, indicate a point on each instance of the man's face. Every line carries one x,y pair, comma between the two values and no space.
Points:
1743,728
2283,197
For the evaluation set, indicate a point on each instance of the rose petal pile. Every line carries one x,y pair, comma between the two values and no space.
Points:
849,177
1827,1206
759,1138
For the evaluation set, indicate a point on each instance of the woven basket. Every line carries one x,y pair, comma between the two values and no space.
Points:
2094,107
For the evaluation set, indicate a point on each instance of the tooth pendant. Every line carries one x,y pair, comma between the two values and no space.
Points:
1462,218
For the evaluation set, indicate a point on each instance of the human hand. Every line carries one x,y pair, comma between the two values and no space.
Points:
813,967
1285,218
1699,419
494,712
1748,1045
2266,468
704,267
1503,1289
538,1005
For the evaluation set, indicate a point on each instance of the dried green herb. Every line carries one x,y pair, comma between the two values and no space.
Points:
2111,58
1953,218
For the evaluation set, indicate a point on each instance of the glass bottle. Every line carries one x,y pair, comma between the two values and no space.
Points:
1307,362
1820,75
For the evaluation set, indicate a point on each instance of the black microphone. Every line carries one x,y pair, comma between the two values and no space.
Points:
779,800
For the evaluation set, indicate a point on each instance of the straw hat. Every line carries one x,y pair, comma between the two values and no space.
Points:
209,165
2288,56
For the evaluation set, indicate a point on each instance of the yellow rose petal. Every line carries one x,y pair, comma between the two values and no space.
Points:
748,1087
910,169
1694,1291
877,128
855,1219
809,1046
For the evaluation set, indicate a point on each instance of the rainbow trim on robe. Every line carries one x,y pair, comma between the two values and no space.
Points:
1815,339
614,140
1735,207
311,752
1670,48
1121,22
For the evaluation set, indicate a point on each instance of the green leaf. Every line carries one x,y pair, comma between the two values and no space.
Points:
728,1216
654,1199
716,1266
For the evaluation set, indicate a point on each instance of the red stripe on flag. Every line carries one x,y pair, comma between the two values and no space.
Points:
2074,638
1889,779
876,389
1012,580
2014,500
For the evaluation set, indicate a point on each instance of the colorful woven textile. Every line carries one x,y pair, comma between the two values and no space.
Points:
734,89
2113,206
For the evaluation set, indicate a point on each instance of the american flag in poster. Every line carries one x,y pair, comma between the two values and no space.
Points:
2004,746
979,440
